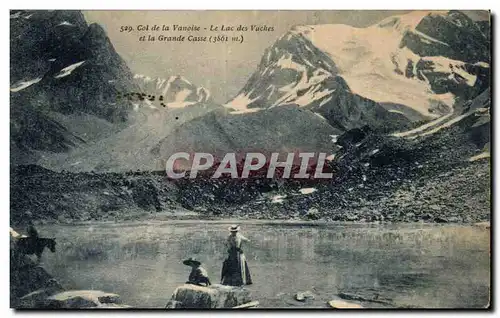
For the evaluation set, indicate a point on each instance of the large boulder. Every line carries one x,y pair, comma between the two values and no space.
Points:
83,299
342,304
36,299
214,296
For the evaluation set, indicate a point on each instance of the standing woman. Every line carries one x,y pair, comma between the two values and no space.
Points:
235,270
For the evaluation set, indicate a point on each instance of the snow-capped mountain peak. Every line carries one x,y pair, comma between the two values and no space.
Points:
406,22
174,92
414,63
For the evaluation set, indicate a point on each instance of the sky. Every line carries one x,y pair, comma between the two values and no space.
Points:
222,68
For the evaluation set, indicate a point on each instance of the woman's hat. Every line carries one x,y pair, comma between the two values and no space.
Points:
191,261
234,228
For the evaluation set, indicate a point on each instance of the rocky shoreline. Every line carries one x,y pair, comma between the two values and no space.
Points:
458,195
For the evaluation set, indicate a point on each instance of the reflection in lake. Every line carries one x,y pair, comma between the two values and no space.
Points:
414,265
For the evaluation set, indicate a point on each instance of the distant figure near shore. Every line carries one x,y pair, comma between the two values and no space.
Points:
198,275
235,271
32,244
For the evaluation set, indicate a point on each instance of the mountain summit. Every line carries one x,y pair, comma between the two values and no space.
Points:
174,92
418,65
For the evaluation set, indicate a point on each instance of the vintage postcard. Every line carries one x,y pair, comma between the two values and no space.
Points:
250,159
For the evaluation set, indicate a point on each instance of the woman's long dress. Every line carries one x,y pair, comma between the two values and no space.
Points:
235,271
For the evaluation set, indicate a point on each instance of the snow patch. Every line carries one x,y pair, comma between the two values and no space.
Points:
446,98
167,87
246,111
407,22
15,15
145,78
324,101
307,190
185,80
200,91
286,62
482,155
68,70
319,115
272,89
445,125
65,23
310,85
160,82
241,102
482,64
150,105
396,111
182,95
446,65
429,38
312,95
23,84
180,104
287,88
278,199
423,127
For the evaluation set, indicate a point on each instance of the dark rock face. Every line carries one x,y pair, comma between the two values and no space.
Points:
39,36
450,31
450,78
485,27
347,111
61,65
30,284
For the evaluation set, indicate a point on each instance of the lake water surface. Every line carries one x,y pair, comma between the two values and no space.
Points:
417,265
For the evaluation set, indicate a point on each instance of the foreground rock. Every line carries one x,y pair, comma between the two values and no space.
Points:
373,299
36,299
341,304
32,287
214,296
302,296
80,299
